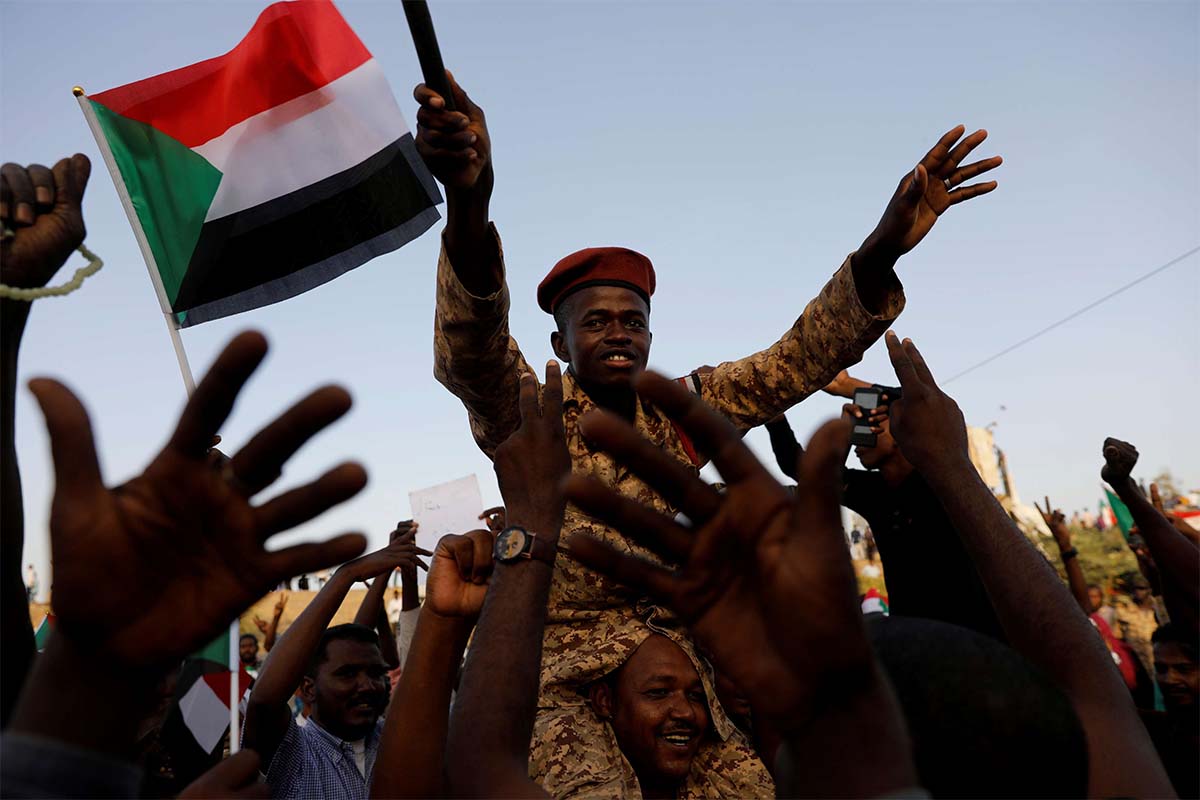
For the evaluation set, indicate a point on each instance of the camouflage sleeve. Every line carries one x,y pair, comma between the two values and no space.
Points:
832,334
475,357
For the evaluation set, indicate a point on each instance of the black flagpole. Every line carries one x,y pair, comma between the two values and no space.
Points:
420,24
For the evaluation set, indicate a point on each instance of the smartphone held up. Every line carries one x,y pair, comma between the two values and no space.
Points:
868,400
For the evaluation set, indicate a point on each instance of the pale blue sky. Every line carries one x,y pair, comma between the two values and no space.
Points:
745,147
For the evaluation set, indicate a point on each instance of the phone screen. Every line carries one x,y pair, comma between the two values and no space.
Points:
867,398
862,435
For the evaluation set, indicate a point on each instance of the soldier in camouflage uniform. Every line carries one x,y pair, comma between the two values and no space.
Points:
594,624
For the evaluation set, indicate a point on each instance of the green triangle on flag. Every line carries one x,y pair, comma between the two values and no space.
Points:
265,172
171,187
217,650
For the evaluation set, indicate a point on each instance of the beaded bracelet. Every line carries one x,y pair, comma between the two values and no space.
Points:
29,295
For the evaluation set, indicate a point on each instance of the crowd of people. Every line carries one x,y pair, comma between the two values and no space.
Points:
620,628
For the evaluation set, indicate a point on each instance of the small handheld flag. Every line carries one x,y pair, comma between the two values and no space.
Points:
255,176
1120,512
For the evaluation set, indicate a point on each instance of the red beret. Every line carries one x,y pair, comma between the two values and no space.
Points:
596,266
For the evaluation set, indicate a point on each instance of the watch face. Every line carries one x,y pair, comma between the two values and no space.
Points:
510,544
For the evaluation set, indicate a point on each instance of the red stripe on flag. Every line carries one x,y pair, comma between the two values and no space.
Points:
294,48
219,683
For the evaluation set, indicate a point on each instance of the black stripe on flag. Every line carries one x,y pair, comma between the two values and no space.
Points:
288,245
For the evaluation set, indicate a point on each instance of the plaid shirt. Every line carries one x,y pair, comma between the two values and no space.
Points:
311,762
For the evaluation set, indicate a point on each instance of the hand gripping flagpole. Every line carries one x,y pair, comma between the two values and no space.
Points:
420,25
189,383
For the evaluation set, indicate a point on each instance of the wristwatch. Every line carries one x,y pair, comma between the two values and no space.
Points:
515,543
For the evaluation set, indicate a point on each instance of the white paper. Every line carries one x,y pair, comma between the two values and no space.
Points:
452,507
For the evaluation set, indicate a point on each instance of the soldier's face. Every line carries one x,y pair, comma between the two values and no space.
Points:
659,712
606,336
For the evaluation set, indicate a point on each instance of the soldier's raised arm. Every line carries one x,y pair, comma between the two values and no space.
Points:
458,151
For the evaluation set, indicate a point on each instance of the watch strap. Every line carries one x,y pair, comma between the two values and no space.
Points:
540,549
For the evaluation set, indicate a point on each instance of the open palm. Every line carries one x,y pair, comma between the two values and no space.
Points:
933,186
765,582
151,570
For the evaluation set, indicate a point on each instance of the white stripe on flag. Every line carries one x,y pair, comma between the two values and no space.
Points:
205,715
303,141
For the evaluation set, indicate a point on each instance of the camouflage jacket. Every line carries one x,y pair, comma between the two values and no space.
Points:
594,624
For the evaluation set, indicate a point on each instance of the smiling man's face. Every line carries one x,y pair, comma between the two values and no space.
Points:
658,711
604,333
350,690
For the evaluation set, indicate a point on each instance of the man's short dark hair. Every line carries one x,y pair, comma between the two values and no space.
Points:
351,631
563,312
984,721
249,636
1174,634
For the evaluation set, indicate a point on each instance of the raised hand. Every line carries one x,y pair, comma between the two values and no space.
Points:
405,529
181,546
401,552
261,624
842,385
871,417
755,556
494,518
532,461
281,604
1054,518
925,421
43,209
1166,555
928,191
454,144
458,577
1119,460
406,533
1156,499
1056,521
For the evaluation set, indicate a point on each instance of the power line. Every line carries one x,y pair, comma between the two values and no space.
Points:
1072,316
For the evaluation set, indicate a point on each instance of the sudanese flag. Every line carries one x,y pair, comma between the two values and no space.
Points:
255,176
202,694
